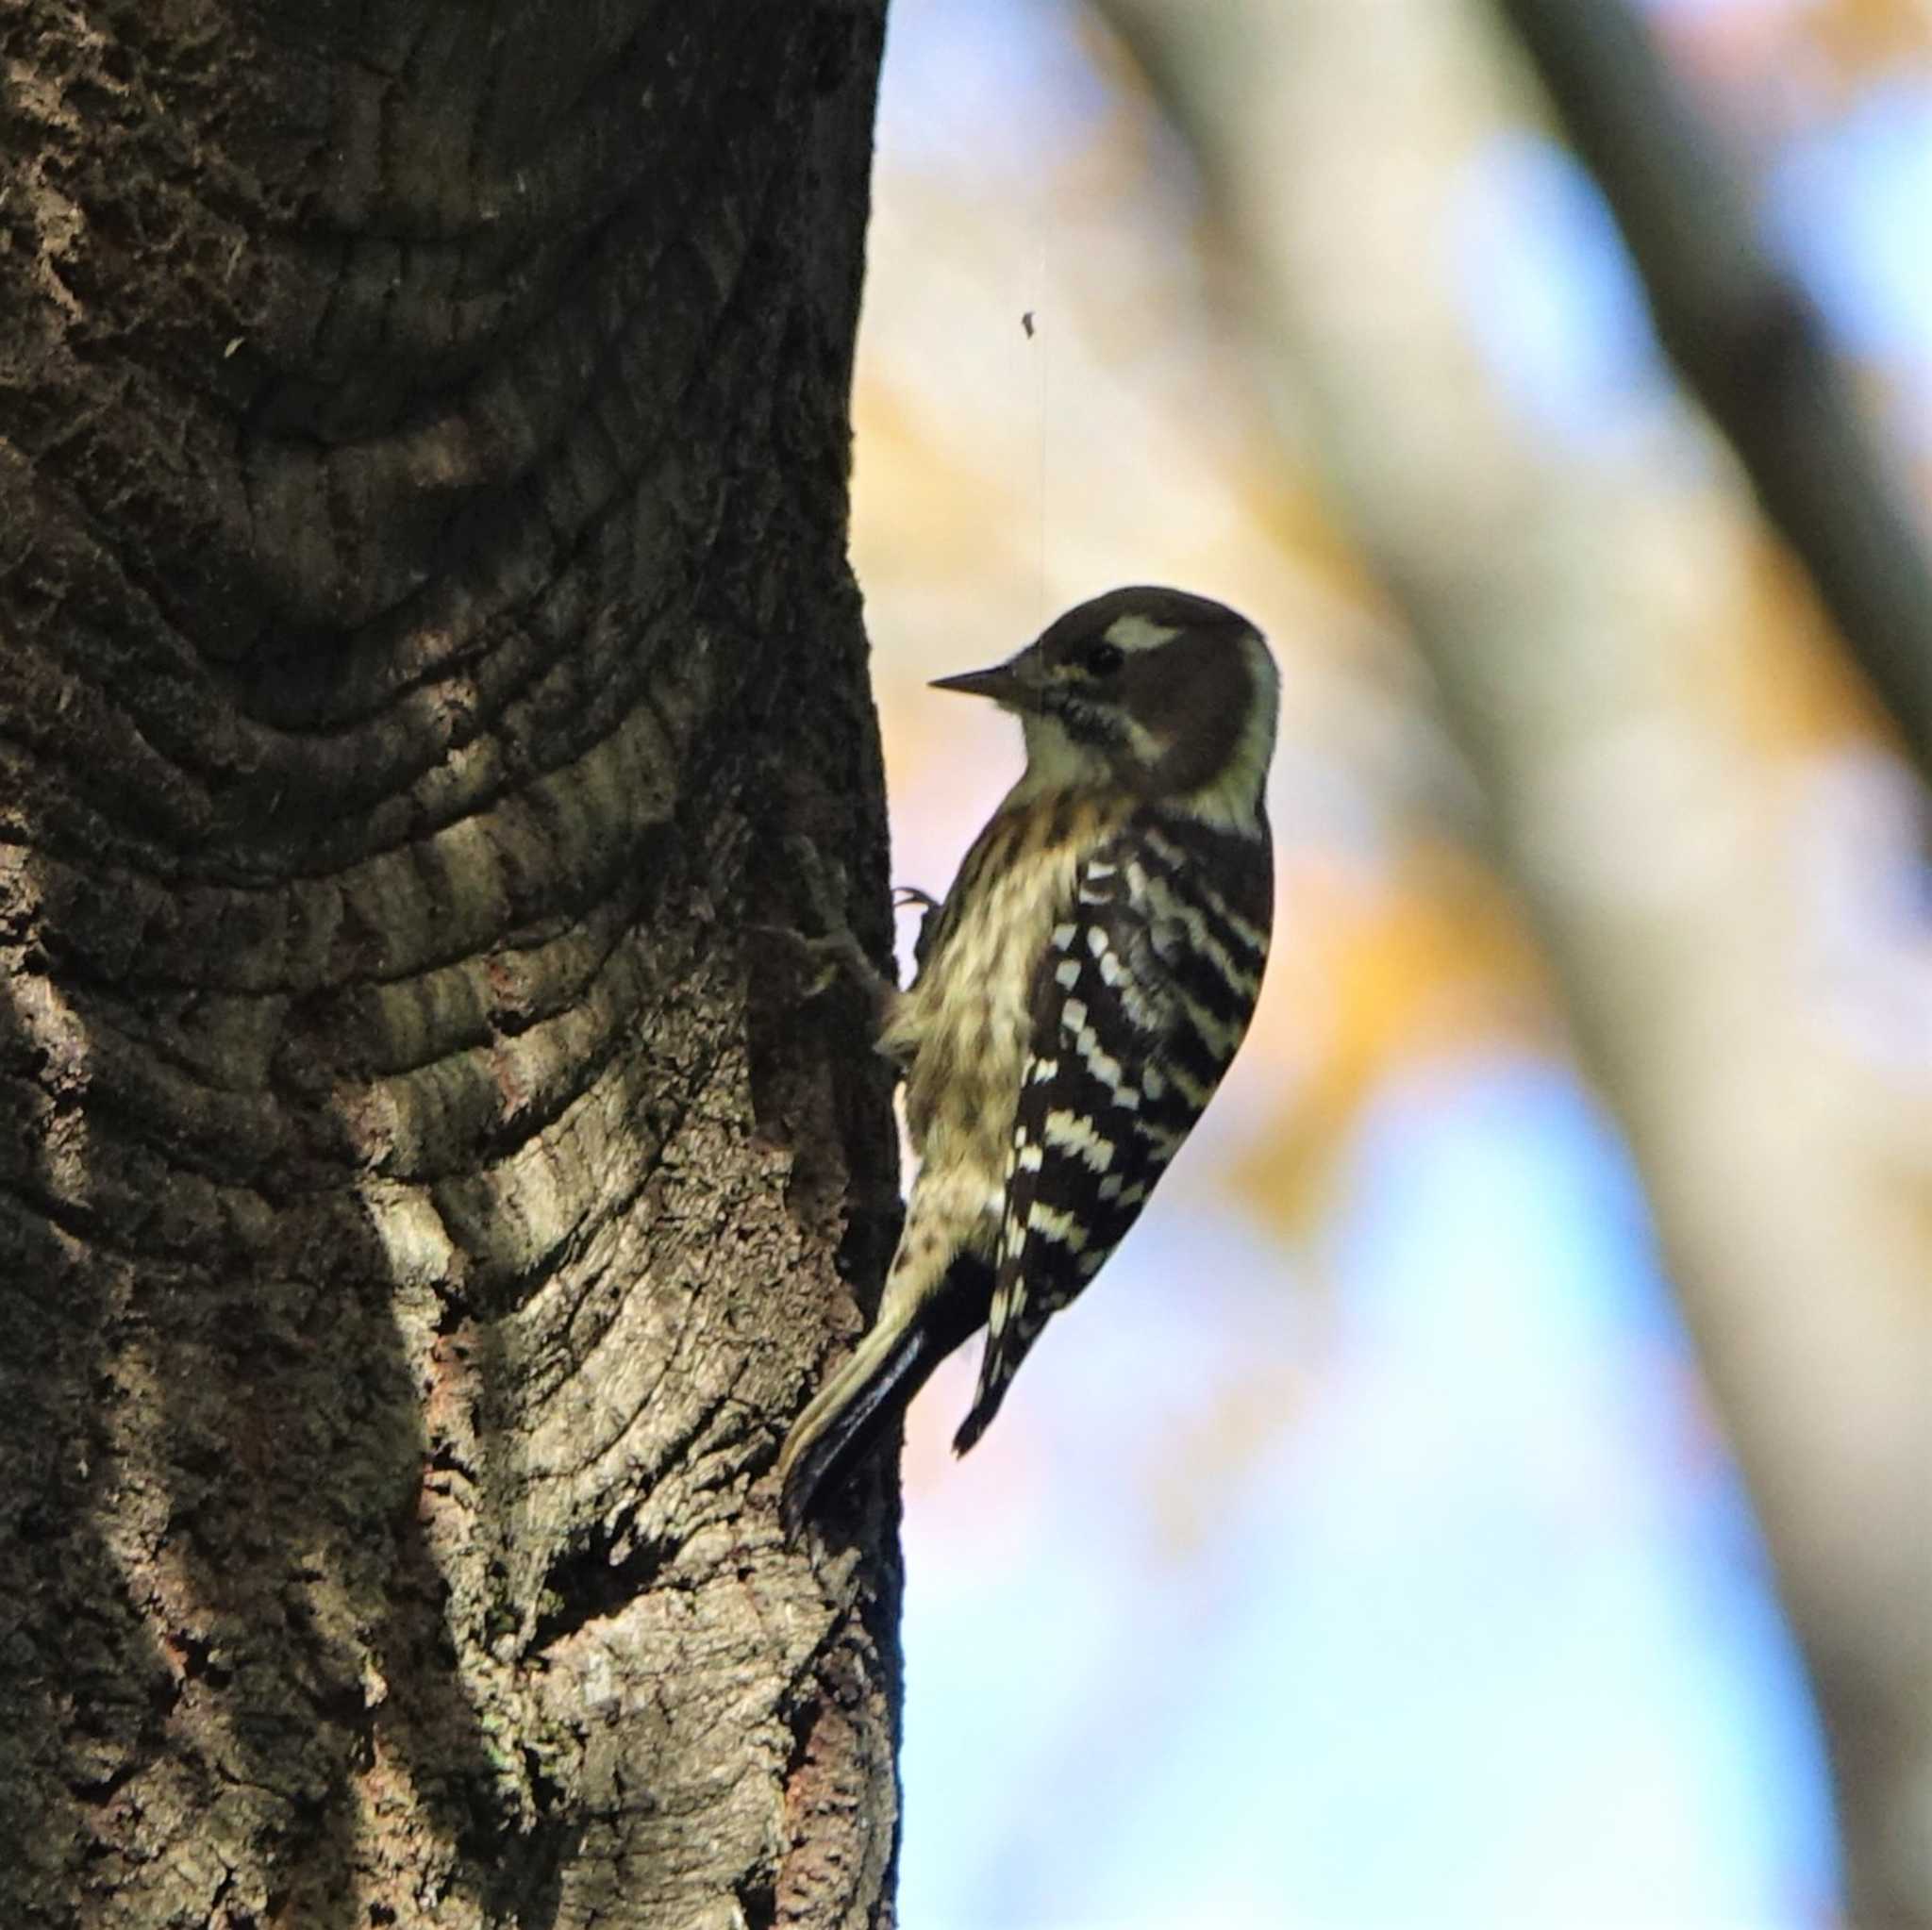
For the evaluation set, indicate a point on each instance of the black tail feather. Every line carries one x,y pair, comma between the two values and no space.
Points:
978,1419
954,1314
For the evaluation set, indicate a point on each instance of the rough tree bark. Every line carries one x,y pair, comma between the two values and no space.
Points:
424,614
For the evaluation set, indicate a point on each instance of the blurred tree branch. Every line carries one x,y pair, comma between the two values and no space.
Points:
1746,340
1573,616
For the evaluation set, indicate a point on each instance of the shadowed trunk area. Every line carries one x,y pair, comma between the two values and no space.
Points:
424,615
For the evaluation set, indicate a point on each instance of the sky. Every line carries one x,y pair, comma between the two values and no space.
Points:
1395,1572
1485,1637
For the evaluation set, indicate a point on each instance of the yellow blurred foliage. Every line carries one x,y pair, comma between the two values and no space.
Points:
1797,690
1863,40
1433,958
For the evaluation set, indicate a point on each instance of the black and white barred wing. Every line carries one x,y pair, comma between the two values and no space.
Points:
1145,994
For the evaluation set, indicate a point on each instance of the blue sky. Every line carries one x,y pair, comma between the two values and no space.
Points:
1483,1636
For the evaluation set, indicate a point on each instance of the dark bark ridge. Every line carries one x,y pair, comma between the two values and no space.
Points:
423,616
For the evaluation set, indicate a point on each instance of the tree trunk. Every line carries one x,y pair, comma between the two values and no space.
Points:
424,615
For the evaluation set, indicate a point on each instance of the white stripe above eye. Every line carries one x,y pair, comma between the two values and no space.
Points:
1138,633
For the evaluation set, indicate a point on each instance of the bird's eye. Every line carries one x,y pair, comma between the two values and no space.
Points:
1103,659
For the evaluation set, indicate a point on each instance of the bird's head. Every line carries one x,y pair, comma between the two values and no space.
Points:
1165,695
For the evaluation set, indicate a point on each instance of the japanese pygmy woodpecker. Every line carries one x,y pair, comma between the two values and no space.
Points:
1079,995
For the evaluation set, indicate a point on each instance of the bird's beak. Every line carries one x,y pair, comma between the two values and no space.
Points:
1007,684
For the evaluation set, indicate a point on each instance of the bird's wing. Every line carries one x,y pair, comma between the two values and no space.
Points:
1139,1005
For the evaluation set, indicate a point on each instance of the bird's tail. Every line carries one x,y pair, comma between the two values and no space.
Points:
849,1416
986,1403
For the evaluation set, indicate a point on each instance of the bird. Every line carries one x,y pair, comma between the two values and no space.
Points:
1080,991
